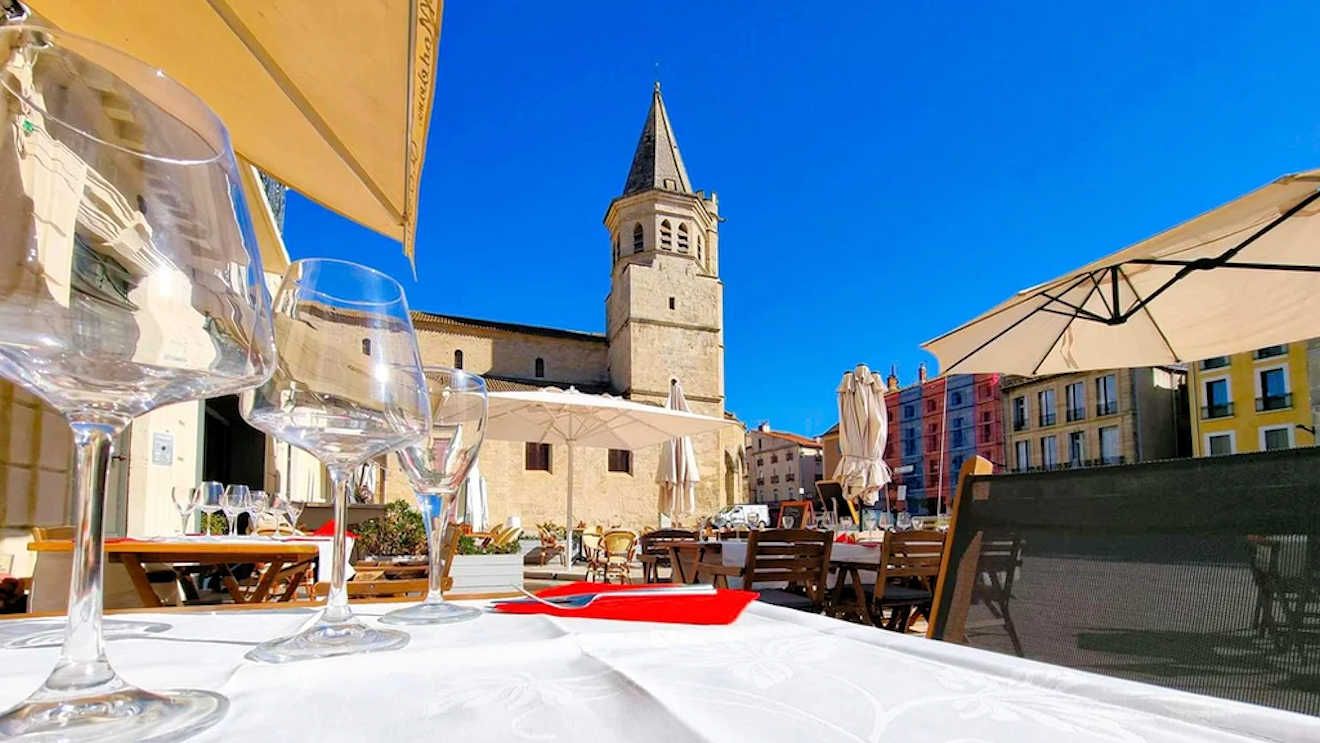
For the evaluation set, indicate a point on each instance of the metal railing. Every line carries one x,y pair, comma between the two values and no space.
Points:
1221,410
1106,407
1273,402
1019,424
1046,419
1075,414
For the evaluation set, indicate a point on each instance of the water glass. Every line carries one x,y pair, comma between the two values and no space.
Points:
209,496
258,505
185,502
904,521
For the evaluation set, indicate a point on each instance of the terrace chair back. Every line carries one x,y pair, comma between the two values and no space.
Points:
595,555
653,550
786,567
619,548
1201,574
905,580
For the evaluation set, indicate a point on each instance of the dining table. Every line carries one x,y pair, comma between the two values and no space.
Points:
772,675
136,553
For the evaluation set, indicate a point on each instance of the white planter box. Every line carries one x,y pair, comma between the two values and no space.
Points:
486,573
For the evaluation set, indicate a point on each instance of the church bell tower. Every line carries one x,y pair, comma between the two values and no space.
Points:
665,313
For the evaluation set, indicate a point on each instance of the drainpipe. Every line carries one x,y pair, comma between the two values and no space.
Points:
1136,413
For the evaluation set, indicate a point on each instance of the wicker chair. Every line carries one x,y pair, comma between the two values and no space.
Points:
595,555
550,546
620,547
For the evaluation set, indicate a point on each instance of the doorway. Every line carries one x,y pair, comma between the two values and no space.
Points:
234,453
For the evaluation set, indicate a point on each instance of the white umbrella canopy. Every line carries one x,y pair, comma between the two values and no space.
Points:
677,474
863,428
1240,277
571,418
475,511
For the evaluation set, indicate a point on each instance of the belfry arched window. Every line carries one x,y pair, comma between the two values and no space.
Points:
638,239
538,368
458,359
682,238
666,236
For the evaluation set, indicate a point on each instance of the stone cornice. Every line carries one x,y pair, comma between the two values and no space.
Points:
665,324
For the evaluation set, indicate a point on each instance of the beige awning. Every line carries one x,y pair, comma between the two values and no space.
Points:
331,97
1243,276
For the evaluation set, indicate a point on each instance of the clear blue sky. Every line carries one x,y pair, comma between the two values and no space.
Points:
887,172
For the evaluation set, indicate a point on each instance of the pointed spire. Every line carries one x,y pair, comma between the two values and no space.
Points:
657,164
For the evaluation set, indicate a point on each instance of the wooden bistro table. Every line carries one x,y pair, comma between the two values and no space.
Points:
133,553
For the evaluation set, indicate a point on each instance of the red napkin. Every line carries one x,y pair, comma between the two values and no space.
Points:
844,537
721,608
328,530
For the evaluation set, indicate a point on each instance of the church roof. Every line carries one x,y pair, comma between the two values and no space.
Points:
657,160
454,323
497,383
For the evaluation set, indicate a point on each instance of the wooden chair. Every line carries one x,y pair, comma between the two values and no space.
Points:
653,552
619,548
797,558
904,582
374,589
550,546
595,555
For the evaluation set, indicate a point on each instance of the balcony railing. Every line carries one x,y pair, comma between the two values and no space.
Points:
1071,464
1047,419
1076,414
1019,424
1273,402
1221,410
1106,407
1270,352
1215,363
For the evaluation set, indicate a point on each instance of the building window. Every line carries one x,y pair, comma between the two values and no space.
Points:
620,460
666,236
957,435
1022,450
1214,362
1045,400
682,237
1106,395
986,433
638,239
1217,444
1077,448
1019,413
909,444
930,406
955,398
1074,397
788,456
458,359
907,411
1273,390
760,462
366,346
774,479
536,457
985,392
774,459
1049,452
1276,437
934,467
671,303
1109,445
790,477
1269,352
1217,399
538,368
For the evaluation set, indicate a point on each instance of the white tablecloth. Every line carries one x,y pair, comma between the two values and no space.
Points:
774,675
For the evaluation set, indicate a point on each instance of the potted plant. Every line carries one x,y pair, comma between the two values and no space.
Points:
488,564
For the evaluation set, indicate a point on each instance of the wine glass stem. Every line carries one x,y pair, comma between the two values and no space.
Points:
336,605
436,523
82,663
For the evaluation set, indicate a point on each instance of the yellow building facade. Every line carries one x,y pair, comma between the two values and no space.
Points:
1253,401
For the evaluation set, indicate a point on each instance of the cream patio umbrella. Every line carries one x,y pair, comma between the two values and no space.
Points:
574,419
863,427
677,473
332,97
1245,275
475,510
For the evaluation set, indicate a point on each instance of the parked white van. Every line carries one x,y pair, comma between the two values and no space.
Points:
755,515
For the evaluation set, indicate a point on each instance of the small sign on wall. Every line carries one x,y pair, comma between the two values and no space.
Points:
162,448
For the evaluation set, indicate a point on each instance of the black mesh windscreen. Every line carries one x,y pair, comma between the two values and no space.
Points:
1197,574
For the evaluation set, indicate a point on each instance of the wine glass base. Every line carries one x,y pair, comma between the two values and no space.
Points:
326,639
49,633
123,713
431,612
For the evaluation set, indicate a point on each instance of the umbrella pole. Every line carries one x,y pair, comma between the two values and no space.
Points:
568,524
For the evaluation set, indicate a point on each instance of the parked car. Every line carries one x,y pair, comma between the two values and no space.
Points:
754,515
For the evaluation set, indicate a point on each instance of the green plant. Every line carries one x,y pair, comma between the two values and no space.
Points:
558,531
400,532
215,523
468,545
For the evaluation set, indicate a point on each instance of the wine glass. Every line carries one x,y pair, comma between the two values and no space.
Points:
185,502
235,502
209,495
903,521
294,508
436,467
258,505
131,280
279,510
348,387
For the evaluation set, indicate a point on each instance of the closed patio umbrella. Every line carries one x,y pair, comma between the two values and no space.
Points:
863,428
332,98
475,511
677,473
574,419
1243,276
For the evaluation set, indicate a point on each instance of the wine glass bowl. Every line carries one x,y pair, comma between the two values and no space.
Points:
185,502
348,386
131,280
233,503
436,467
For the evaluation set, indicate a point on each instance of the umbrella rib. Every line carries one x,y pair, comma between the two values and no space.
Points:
1251,266
304,106
1150,316
1003,332
1066,325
